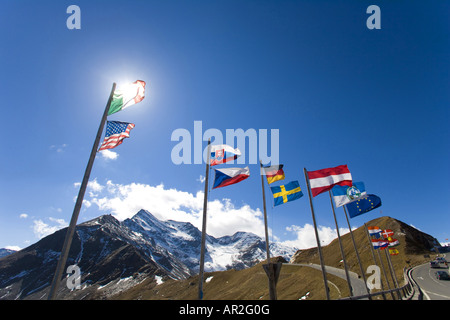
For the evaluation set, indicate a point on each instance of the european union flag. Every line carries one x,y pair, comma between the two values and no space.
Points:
287,192
363,205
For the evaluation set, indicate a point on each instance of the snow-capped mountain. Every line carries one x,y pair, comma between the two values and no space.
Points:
4,252
183,240
113,255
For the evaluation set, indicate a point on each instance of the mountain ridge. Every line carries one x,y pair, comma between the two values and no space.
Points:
107,251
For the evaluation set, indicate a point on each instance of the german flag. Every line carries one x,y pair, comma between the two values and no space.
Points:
274,173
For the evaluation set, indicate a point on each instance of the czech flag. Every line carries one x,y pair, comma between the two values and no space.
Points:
229,176
223,153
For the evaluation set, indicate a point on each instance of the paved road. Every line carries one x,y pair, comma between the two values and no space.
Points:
358,285
432,288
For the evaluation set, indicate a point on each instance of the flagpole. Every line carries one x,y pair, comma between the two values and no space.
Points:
76,211
319,248
372,250
392,270
341,247
356,251
385,275
381,263
205,209
270,266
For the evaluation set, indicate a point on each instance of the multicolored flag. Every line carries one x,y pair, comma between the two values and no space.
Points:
344,194
127,96
363,205
274,173
116,131
393,242
387,233
374,231
223,153
286,193
393,252
379,244
229,176
325,179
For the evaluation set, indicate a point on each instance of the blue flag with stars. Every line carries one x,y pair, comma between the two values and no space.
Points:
363,205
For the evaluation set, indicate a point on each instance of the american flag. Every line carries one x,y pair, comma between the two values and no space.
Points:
116,131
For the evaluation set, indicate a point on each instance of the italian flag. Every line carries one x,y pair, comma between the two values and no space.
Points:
127,96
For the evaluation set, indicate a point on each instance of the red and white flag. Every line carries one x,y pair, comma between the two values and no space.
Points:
387,233
325,179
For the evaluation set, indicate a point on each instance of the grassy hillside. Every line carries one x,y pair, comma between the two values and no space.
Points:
296,282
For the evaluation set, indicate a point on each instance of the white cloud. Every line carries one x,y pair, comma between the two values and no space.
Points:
109,155
306,237
23,216
15,248
42,229
201,179
58,148
224,218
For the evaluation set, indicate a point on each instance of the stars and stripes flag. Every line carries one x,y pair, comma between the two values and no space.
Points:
325,179
116,131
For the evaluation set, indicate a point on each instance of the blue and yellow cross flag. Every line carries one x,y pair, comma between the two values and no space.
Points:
286,193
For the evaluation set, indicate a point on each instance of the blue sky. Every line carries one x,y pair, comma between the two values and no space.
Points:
339,93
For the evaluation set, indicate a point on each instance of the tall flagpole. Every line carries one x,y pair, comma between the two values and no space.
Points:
319,248
381,263
270,266
357,254
391,268
341,247
205,209
76,211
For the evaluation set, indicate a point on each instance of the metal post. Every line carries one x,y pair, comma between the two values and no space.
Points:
319,247
76,211
270,267
341,247
205,210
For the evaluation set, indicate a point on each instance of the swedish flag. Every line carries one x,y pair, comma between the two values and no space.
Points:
286,193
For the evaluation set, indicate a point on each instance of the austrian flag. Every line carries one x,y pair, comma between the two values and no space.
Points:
325,179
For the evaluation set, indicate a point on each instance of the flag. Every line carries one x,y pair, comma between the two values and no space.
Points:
379,244
325,179
393,252
393,242
344,194
127,96
116,131
229,176
223,153
374,231
286,193
274,173
387,233
363,205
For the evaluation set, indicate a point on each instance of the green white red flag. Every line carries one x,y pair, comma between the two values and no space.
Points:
127,96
